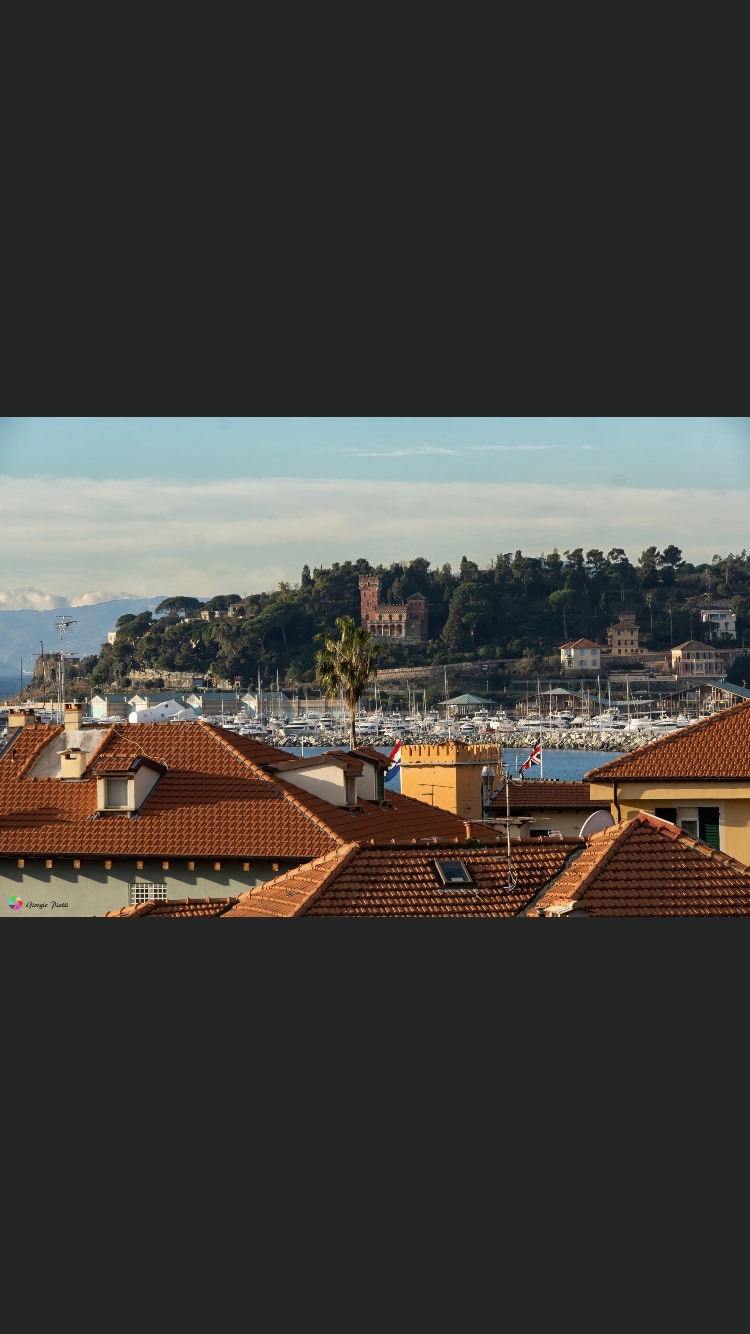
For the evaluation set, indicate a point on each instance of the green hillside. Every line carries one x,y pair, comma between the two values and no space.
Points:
520,607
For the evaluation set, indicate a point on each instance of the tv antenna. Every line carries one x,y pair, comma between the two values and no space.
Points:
506,780
63,626
432,787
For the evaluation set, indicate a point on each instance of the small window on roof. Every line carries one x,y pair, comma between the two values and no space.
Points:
454,872
117,793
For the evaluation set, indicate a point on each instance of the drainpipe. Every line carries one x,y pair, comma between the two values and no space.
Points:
616,803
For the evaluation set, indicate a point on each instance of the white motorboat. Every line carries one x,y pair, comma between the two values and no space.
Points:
253,728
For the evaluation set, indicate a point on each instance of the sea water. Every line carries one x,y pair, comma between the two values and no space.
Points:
570,765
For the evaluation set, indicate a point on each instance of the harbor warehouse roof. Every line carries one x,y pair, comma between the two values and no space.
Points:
468,699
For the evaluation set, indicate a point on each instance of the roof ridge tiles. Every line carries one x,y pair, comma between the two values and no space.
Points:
626,766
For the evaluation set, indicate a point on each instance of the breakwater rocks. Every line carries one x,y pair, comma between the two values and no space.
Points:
572,738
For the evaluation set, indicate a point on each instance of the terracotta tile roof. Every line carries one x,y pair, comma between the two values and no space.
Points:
547,793
373,755
215,799
715,748
646,867
175,908
401,881
122,764
344,760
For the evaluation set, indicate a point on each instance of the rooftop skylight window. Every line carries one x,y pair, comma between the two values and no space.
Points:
454,874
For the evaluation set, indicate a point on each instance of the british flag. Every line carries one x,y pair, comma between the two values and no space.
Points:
534,757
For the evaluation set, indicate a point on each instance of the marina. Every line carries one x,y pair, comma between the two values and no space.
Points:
610,731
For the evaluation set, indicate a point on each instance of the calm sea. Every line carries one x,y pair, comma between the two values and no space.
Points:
567,764
10,685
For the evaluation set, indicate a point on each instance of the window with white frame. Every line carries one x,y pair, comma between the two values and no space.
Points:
142,891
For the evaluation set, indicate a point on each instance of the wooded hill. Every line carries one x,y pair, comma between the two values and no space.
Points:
519,607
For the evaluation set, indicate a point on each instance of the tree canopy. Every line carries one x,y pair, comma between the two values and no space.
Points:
518,606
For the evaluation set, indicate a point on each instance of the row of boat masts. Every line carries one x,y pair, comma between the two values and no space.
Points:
380,727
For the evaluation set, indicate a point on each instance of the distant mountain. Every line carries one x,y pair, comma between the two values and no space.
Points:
22,633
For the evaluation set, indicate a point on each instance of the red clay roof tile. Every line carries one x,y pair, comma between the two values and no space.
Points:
647,867
399,881
216,798
715,748
175,908
546,793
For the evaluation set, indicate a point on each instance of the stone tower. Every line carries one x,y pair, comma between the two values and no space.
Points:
406,621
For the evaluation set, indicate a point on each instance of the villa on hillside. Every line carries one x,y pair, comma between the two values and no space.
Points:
695,659
580,655
623,638
404,620
719,619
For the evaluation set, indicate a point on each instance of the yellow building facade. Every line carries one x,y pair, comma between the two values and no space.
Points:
694,805
449,774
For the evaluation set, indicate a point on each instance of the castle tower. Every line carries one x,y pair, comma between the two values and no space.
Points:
405,620
369,593
416,616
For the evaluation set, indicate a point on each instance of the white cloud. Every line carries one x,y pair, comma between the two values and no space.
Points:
458,453
30,599
401,453
90,599
241,535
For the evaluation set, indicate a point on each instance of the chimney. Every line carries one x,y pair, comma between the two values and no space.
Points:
72,717
20,717
72,763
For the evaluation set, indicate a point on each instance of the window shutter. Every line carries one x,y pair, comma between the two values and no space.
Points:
667,813
708,825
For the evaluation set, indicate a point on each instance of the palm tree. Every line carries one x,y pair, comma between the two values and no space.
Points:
649,599
669,608
345,665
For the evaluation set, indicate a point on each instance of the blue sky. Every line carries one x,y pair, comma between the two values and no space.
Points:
96,507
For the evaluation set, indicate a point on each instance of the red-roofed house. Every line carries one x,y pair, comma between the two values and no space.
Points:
697,777
547,808
580,655
407,881
646,867
95,817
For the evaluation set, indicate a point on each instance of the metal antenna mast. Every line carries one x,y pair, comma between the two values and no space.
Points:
63,626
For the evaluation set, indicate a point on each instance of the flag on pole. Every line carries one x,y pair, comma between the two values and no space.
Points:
534,757
393,772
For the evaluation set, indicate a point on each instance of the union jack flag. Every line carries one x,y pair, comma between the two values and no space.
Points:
534,757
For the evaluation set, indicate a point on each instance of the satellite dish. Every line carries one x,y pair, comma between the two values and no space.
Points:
595,822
